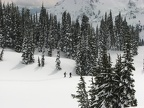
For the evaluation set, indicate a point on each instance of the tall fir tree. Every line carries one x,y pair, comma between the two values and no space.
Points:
92,94
43,28
135,39
118,32
1,55
84,58
105,83
58,62
2,38
39,64
28,45
128,81
82,94
43,58
118,93
111,30
76,33
51,39
18,37
66,39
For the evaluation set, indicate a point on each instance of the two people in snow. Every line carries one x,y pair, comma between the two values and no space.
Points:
70,74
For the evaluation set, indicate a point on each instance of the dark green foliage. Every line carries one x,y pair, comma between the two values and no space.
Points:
118,32
42,28
104,82
2,39
24,32
135,39
17,31
27,51
111,31
92,94
110,87
128,81
76,30
118,69
84,52
58,61
66,39
1,55
28,45
82,94
43,59
39,64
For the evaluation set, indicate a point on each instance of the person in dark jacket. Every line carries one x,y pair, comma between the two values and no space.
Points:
70,74
64,74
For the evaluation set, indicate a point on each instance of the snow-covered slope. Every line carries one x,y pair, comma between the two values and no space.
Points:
12,67
95,9
30,86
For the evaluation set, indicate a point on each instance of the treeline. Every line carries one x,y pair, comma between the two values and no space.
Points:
25,32
111,86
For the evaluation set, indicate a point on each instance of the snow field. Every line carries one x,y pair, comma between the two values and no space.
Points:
30,86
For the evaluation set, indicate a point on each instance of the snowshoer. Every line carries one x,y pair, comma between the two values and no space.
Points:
70,74
64,74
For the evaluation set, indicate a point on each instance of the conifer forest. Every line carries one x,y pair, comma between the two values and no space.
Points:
111,86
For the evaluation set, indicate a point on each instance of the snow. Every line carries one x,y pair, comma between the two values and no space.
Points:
30,86
95,9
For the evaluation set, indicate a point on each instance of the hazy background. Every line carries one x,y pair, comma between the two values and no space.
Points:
33,3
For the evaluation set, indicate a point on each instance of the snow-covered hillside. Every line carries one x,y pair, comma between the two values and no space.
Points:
133,10
30,86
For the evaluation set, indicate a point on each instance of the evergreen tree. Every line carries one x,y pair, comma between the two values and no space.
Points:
93,47
118,33
43,59
127,84
36,31
105,83
118,93
51,40
7,26
79,59
103,87
39,64
18,37
58,61
84,58
43,28
97,41
2,38
66,39
111,31
28,45
135,39
27,51
102,39
105,29
63,31
76,30
92,94
1,55
82,94
55,33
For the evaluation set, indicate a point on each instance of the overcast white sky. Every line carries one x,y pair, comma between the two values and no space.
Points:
33,2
